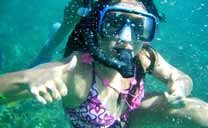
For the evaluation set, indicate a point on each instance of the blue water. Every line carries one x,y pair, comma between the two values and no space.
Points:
25,25
1,59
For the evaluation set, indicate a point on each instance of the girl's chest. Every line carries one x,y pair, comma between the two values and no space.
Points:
85,89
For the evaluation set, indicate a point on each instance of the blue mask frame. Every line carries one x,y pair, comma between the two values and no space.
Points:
124,9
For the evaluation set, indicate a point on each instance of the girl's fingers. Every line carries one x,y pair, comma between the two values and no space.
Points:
34,90
61,86
40,99
41,94
174,100
45,94
53,90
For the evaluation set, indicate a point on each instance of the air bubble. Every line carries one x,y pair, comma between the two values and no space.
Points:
159,39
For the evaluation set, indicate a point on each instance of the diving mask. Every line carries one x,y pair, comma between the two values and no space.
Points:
114,18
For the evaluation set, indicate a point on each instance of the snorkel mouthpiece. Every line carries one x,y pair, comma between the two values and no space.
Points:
127,68
123,63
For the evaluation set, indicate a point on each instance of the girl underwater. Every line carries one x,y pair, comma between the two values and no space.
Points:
101,79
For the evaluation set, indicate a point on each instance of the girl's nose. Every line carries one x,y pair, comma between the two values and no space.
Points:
125,33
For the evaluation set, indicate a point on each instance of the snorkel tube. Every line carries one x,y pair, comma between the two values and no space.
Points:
87,7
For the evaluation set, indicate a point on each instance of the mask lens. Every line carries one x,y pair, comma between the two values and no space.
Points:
143,26
112,22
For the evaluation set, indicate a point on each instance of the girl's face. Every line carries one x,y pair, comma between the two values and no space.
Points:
126,36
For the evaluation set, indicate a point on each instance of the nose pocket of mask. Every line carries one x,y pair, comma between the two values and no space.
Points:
125,33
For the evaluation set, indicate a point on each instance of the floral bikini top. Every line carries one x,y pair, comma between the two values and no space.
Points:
93,114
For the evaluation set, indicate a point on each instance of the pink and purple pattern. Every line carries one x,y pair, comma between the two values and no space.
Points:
91,113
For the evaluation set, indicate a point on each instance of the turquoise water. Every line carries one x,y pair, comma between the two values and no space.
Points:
25,25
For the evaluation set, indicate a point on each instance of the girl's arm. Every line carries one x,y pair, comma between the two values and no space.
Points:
175,101
179,83
46,82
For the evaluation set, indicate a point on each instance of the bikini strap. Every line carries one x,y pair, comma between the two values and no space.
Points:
93,73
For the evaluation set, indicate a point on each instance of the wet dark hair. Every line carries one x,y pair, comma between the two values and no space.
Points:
151,8
86,27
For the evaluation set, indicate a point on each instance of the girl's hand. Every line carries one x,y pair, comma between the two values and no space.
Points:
46,82
177,94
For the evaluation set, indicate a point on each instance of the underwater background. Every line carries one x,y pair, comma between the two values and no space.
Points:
25,26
